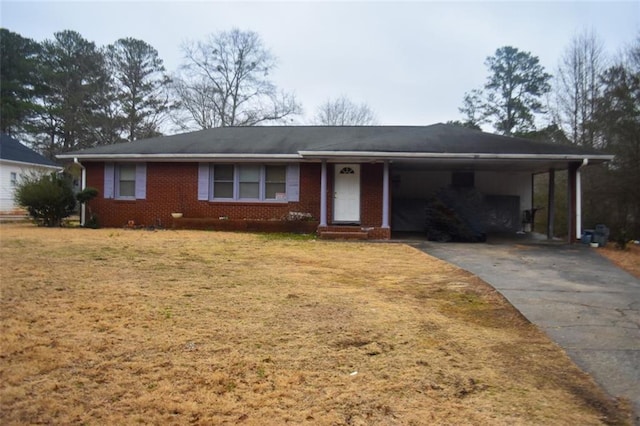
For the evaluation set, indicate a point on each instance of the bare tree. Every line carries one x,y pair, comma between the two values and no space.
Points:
578,86
472,110
343,112
225,82
196,104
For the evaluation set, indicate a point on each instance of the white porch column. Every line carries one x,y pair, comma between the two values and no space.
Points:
83,186
385,196
551,204
323,194
579,199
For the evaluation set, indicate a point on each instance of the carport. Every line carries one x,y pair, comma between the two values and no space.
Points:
491,192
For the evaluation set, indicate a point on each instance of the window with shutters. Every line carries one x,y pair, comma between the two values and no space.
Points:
223,181
275,182
126,181
248,182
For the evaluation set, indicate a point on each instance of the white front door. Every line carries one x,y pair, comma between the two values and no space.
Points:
346,197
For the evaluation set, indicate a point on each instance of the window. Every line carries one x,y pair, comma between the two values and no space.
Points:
275,182
249,182
223,181
13,178
127,181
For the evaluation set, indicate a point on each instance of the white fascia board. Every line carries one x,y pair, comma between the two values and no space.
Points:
185,157
438,155
25,164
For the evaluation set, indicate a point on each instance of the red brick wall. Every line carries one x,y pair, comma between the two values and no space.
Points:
173,187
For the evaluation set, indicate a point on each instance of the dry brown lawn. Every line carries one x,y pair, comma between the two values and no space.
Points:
180,327
628,259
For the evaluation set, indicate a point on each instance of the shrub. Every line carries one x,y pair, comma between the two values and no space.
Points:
48,198
87,195
622,239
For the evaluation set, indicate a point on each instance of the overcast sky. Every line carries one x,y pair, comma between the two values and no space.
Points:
411,62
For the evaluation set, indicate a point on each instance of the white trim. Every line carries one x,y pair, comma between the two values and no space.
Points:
338,154
83,186
437,155
323,193
385,195
585,162
23,163
184,157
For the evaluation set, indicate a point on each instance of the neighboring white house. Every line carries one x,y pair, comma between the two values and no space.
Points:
16,160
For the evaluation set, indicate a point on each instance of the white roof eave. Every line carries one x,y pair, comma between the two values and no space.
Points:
453,156
318,155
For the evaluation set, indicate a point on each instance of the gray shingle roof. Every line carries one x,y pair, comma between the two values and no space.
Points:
12,150
291,140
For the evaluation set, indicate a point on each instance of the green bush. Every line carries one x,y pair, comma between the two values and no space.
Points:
622,239
48,198
87,195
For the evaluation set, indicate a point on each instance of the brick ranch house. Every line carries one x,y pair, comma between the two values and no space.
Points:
365,180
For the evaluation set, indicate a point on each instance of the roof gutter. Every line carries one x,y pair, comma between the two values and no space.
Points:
373,155
437,155
183,157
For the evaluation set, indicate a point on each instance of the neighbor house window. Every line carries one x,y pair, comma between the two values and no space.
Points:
252,182
126,181
13,178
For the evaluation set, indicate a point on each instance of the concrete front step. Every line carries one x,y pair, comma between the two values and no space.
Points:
344,235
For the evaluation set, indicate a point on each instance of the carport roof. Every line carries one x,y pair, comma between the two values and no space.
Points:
438,141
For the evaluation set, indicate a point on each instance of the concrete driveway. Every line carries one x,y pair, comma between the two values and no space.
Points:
582,301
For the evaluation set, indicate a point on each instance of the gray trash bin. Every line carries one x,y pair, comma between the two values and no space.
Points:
600,235
587,236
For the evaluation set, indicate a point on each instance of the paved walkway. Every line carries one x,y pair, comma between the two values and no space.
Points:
582,301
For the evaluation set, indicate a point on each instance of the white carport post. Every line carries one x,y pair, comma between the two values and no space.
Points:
83,186
323,194
579,199
551,204
385,196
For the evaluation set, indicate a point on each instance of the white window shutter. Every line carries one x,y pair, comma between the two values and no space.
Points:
203,181
293,182
109,180
141,181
